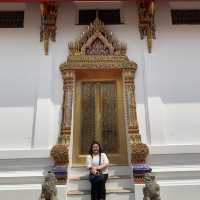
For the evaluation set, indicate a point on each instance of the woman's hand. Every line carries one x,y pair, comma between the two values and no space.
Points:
102,166
93,170
98,168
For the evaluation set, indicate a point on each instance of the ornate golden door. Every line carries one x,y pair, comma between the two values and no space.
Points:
98,84
99,115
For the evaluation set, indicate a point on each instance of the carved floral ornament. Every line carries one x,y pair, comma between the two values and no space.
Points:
49,12
97,48
146,24
110,46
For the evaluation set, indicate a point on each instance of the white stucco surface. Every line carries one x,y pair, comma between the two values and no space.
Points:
167,80
167,86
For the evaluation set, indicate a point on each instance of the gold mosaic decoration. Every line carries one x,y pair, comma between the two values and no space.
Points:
146,15
97,49
49,12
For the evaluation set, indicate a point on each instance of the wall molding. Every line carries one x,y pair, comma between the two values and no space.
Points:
45,152
24,153
174,149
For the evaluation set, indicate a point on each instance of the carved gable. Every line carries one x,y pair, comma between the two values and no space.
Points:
97,48
97,41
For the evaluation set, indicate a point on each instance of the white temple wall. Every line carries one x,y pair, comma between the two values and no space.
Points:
172,82
19,63
166,80
167,84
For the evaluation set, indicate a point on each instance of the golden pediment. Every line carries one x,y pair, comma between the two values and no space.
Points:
97,48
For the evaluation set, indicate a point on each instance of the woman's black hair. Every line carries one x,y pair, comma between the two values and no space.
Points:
90,150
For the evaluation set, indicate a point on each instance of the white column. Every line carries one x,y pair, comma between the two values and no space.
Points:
44,105
155,107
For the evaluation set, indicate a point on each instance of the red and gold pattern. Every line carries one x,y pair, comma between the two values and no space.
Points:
146,24
49,12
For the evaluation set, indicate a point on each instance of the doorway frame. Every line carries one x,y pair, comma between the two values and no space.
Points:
114,58
120,158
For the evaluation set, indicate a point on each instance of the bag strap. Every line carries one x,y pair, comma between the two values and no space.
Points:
100,159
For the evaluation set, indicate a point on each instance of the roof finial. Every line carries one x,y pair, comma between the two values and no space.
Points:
97,14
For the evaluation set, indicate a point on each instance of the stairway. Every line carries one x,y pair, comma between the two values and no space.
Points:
119,184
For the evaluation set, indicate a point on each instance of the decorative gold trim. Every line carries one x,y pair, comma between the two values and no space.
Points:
120,157
97,30
146,15
115,58
133,130
49,12
98,51
97,62
139,151
68,88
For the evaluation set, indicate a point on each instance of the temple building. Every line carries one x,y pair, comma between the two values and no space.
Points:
124,73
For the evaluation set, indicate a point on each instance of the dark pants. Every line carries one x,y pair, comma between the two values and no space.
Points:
98,190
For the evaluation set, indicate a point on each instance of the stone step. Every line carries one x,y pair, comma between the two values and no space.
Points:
110,177
21,177
112,194
113,170
82,183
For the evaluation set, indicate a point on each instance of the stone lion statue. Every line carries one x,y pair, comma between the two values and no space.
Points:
49,191
151,190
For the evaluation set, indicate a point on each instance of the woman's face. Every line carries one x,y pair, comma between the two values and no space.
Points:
95,148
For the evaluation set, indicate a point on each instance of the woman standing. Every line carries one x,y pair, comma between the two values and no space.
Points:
97,163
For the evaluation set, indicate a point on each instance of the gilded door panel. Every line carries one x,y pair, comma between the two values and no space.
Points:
99,115
88,117
109,132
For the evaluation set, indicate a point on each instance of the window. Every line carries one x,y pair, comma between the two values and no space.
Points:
11,19
108,16
185,16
